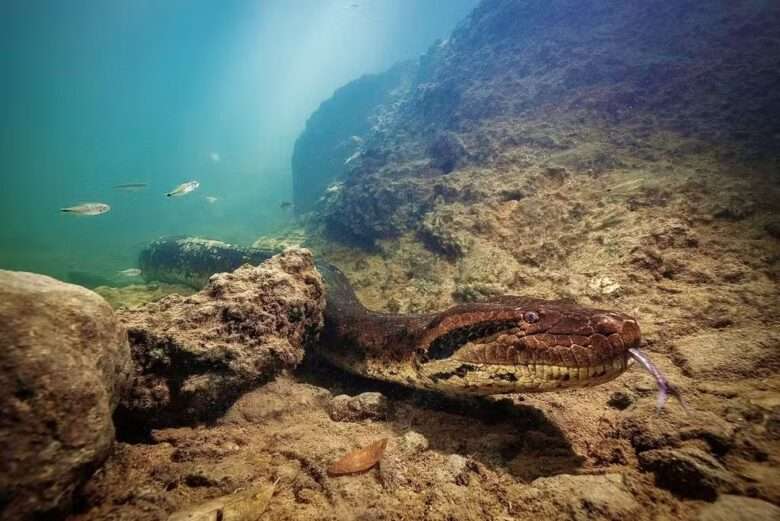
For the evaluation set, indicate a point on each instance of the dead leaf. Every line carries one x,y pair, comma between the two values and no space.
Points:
359,460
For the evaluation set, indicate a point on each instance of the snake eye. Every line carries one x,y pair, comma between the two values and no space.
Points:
531,317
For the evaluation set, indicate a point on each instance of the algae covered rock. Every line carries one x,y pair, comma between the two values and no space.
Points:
64,360
195,355
192,260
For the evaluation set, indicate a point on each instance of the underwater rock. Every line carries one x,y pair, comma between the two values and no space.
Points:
413,443
739,508
278,399
63,364
278,242
335,131
195,355
373,406
772,228
191,260
580,497
688,472
494,95
444,233
447,152
621,400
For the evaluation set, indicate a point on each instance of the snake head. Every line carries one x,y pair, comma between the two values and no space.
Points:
524,345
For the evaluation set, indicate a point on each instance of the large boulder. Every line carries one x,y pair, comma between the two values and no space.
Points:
195,355
64,359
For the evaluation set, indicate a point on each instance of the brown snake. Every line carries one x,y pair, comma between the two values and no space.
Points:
506,345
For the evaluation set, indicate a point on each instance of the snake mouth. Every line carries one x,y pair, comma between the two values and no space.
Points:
460,377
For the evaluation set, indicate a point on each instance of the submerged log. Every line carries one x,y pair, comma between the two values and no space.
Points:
192,260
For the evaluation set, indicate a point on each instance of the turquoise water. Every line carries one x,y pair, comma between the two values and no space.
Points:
96,94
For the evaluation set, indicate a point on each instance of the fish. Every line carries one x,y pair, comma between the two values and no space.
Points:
130,272
211,199
284,205
87,209
215,157
183,189
359,460
242,505
352,157
131,187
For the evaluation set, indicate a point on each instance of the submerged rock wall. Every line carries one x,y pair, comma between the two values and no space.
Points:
335,133
523,84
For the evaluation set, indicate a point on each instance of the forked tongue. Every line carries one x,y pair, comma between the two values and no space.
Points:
665,389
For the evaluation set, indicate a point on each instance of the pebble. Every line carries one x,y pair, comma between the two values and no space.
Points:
364,406
414,442
621,400
457,467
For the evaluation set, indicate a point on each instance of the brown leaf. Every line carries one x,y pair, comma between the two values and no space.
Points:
359,460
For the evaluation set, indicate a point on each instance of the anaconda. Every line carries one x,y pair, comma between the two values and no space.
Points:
509,344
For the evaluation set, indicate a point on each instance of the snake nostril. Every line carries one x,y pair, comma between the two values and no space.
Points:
606,325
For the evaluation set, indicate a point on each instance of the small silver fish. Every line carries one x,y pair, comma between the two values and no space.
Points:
130,187
352,157
211,199
130,272
87,209
183,189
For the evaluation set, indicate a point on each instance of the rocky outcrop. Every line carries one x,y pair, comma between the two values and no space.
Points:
195,355
64,360
336,132
521,81
192,260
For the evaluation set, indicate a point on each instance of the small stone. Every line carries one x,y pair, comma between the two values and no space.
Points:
739,508
620,400
603,286
457,468
414,442
365,406
688,472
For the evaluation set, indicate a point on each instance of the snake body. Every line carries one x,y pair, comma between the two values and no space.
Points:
509,344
